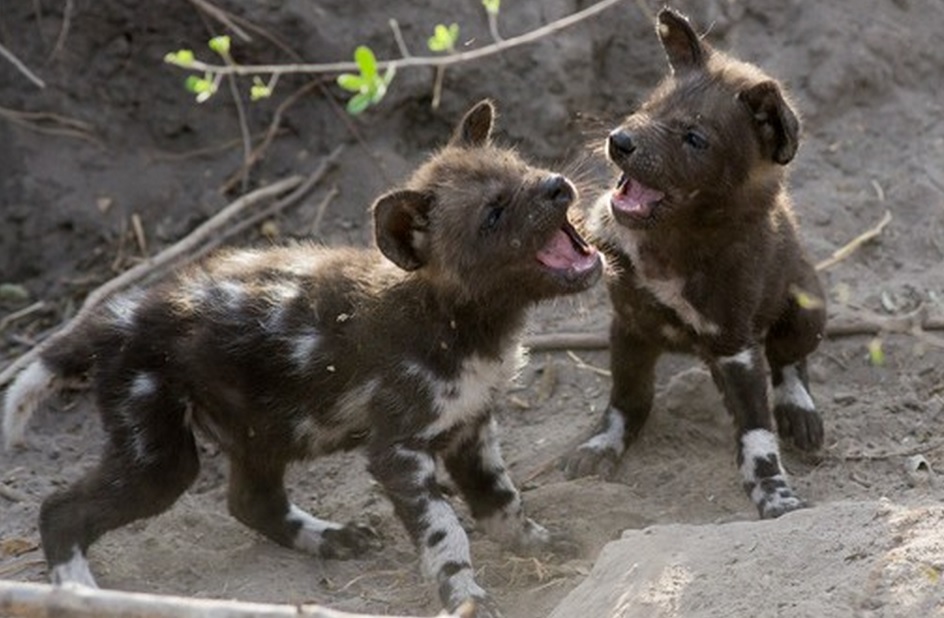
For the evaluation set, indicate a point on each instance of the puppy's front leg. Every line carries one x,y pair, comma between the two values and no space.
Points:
408,475
743,379
475,463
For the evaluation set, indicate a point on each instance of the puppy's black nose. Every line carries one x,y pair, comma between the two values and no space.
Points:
558,190
620,144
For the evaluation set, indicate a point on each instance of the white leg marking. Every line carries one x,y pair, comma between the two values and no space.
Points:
745,358
310,536
757,443
31,387
612,437
76,571
792,392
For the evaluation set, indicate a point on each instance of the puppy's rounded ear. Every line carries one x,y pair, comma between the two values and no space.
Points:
401,227
476,126
776,121
681,43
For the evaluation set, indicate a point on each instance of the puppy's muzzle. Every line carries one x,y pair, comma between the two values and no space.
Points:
620,145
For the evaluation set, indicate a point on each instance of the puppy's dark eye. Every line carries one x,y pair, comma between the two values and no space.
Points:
492,217
696,140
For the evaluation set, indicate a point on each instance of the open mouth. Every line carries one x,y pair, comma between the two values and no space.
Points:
567,251
634,199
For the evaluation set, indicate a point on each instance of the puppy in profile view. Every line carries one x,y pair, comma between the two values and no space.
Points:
702,238
293,352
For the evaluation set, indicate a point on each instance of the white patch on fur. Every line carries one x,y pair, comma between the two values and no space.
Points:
74,572
303,348
671,333
143,385
612,438
310,536
792,392
31,387
667,291
744,358
456,401
280,296
234,294
124,307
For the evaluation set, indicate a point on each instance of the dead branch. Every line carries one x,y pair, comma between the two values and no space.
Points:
850,247
63,30
156,264
29,600
410,62
224,17
843,327
22,68
51,124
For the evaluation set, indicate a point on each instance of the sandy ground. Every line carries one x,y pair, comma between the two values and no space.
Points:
866,75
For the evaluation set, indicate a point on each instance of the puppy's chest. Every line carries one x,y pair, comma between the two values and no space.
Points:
661,300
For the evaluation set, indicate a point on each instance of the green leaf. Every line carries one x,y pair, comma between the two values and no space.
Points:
196,84
181,57
259,90
492,6
358,103
366,62
444,38
351,82
220,44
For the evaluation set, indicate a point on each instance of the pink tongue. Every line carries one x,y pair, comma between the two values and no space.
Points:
635,198
561,254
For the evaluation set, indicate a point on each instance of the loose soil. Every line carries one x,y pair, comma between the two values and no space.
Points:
866,75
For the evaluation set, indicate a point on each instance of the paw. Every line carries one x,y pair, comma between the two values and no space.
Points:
538,541
801,425
477,607
774,502
350,541
589,459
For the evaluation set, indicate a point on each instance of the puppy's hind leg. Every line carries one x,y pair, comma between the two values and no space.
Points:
257,498
145,468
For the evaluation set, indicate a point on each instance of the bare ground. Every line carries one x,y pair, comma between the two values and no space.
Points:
866,74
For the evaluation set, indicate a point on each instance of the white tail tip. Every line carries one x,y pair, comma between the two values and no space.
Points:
28,391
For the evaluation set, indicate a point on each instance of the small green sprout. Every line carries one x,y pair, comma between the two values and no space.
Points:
181,58
259,89
492,6
220,44
876,353
369,87
444,38
204,87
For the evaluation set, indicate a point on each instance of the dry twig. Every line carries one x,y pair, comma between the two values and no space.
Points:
51,124
28,600
22,68
850,247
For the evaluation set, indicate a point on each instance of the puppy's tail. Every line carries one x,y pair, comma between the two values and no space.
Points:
65,358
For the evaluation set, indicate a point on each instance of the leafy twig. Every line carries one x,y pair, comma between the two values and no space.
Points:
403,63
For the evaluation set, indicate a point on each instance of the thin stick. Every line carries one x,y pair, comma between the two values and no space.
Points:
63,30
256,153
322,209
243,129
412,61
25,311
22,68
847,250
149,266
28,600
34,120
224,17
313,179
398,37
